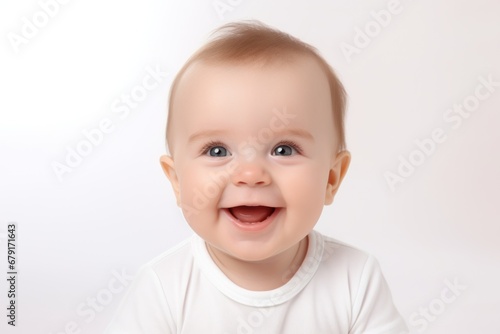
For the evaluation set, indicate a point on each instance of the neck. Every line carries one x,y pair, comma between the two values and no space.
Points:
262,275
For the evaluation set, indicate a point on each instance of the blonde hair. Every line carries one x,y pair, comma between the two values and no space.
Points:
253,42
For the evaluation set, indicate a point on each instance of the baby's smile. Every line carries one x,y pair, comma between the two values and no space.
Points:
252,218
251,214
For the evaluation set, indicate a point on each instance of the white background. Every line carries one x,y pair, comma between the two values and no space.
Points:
116,210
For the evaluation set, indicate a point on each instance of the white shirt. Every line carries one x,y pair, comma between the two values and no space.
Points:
338,289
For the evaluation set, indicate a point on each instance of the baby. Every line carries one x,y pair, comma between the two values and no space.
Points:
256,146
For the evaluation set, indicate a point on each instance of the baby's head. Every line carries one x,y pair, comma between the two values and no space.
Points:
256,141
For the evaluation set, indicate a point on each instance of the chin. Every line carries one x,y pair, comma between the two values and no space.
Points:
251,255
247,253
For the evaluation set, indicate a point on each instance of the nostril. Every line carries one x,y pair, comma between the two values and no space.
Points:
258,183
251,174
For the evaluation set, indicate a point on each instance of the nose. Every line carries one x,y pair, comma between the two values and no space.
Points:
250,174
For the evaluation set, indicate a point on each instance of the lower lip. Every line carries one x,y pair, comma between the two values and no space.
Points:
252,227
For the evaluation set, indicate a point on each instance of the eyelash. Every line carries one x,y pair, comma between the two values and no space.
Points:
212,143
292,144
209,145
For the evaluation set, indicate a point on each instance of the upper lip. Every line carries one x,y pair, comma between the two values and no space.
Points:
249,204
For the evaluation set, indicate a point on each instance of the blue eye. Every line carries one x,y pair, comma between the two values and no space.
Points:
217,151
287,148
214,148
283,150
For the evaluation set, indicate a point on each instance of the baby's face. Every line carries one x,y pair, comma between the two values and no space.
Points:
254,154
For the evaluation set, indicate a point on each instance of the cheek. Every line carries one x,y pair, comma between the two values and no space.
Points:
187,183
193,200
305,188
197,189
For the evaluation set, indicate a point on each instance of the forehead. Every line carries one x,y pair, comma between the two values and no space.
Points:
243,98
299,78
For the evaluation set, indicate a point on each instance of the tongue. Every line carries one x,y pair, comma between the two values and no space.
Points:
251,214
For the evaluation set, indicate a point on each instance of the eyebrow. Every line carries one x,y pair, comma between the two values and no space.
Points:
295,132
205,133
287,131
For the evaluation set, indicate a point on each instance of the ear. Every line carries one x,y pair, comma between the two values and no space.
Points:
168,166
337,172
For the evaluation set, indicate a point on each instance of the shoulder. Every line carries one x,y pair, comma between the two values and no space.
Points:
356,275
345,265
149,305
172,266
336,252
175,255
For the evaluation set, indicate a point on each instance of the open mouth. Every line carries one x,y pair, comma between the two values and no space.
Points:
251,214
